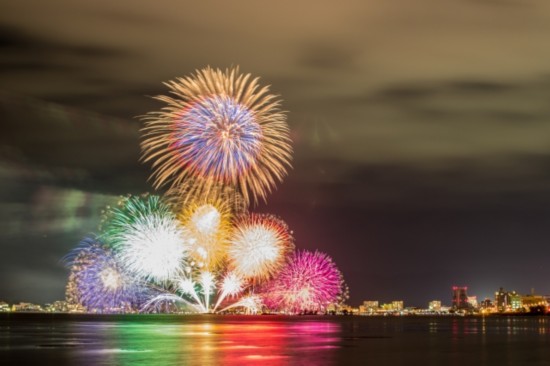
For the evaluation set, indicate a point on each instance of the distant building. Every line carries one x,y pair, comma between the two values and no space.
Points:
502,299
335,308
486,304
460,298
4,307
26,307
371,306
528,302
394,306
368,307
434,305
472,300
57,307
507,300
516,302
397,305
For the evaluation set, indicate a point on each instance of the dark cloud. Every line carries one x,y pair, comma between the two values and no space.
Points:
20,42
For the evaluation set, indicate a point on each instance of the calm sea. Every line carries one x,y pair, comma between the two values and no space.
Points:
45,339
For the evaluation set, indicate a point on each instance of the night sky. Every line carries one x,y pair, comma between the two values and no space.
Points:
421,131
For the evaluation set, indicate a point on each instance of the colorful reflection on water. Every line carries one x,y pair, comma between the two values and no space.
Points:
208,341
86,340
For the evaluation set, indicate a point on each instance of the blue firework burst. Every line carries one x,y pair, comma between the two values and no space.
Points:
218,137
100,283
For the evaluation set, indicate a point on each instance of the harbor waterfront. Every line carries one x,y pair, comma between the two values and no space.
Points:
86,339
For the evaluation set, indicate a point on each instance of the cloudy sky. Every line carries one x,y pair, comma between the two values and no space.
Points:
421,131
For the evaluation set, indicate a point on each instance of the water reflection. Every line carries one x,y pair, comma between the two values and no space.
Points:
498,325
207,341
44,339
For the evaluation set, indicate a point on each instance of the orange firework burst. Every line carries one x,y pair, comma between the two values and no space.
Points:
219,127
208,223
259,245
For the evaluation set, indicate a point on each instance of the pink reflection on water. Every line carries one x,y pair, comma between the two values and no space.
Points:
274,342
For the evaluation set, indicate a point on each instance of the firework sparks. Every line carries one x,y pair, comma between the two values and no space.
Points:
222,129
232,285
100,283
219,143
207,284
252,304
165,301
259,246
309,282
147,238
208,225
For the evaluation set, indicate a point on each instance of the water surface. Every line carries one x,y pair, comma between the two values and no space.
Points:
46,339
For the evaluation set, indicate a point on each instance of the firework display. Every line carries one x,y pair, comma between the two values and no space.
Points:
208,224
99,282
259,246
147,238
220,143
310,281
219,127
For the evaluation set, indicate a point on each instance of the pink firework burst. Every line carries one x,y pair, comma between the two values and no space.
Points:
310,281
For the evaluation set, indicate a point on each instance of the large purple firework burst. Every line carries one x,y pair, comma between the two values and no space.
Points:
309,282
99,282
223,133
218,128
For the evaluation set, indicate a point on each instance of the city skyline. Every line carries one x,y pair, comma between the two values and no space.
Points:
502,301
419,132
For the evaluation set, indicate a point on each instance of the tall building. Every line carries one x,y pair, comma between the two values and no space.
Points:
472,300
516,301
487,304
507,300
460,298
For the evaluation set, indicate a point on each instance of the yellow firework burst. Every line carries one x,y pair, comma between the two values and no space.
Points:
208,223
218,127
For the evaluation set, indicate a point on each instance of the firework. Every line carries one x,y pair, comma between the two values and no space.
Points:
259,246
308,282
208,225
147,238
191,193
98,282
128,211
252,304
220,128
166,303
201,287
232,285
219,143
